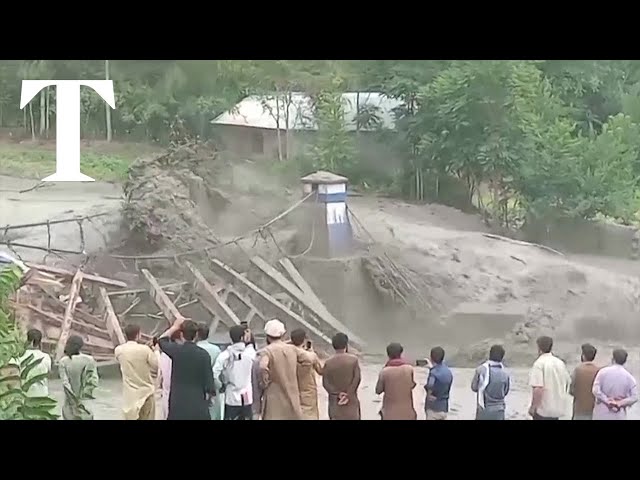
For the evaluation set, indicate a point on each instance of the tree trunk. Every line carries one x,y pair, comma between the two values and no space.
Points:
278,128
419,185
33,123
287,132
48,111
107,107
357,113
43,111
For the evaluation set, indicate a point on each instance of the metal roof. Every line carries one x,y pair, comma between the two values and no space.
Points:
260,111
324,177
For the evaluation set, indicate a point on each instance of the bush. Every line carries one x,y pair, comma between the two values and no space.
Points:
15,379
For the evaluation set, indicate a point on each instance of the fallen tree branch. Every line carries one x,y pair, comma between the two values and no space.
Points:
524,244
35,187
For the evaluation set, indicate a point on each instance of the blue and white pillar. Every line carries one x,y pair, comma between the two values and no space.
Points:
337,219
335,237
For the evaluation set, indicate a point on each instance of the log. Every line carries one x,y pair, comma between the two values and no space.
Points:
296,318
161,299
89,277
211,291
295,292
66,321
111,319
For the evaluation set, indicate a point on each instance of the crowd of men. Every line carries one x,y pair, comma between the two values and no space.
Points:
198,381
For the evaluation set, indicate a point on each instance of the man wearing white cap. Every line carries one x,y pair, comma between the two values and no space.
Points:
278,371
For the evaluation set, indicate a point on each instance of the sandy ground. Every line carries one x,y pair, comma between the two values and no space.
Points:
462,407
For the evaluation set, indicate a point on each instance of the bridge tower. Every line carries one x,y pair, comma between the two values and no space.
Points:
332,233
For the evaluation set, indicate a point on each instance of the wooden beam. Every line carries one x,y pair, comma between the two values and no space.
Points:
111,319
55,320
88,347
214,325
144,290
250,315
68,314
304,287
297,318
169,310
298,279
87,276
247,302
320,311
78,313
213,294
133,305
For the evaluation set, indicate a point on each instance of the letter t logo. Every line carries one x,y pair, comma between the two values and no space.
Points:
67,121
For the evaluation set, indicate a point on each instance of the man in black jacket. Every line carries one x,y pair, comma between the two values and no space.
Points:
192,383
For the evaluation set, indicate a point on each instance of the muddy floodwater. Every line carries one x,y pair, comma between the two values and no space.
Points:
462,406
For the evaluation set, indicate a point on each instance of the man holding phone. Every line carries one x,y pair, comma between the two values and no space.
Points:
232,369
307,376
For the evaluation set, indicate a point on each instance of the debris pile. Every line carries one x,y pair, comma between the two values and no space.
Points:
169,198
61,303
395,282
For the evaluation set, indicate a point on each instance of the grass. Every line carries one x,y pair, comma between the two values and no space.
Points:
102,161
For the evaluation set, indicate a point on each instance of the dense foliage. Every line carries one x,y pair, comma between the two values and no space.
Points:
525,138
16,378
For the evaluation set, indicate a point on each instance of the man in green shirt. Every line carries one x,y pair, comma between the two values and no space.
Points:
217,402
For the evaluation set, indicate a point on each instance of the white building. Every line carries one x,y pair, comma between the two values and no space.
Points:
250,128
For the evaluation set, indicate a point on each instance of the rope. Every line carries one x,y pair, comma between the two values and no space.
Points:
261,231
53,222
313,237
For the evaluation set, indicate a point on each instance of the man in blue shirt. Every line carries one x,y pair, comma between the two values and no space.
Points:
438,386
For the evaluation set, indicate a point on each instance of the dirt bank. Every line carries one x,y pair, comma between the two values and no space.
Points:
475,282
